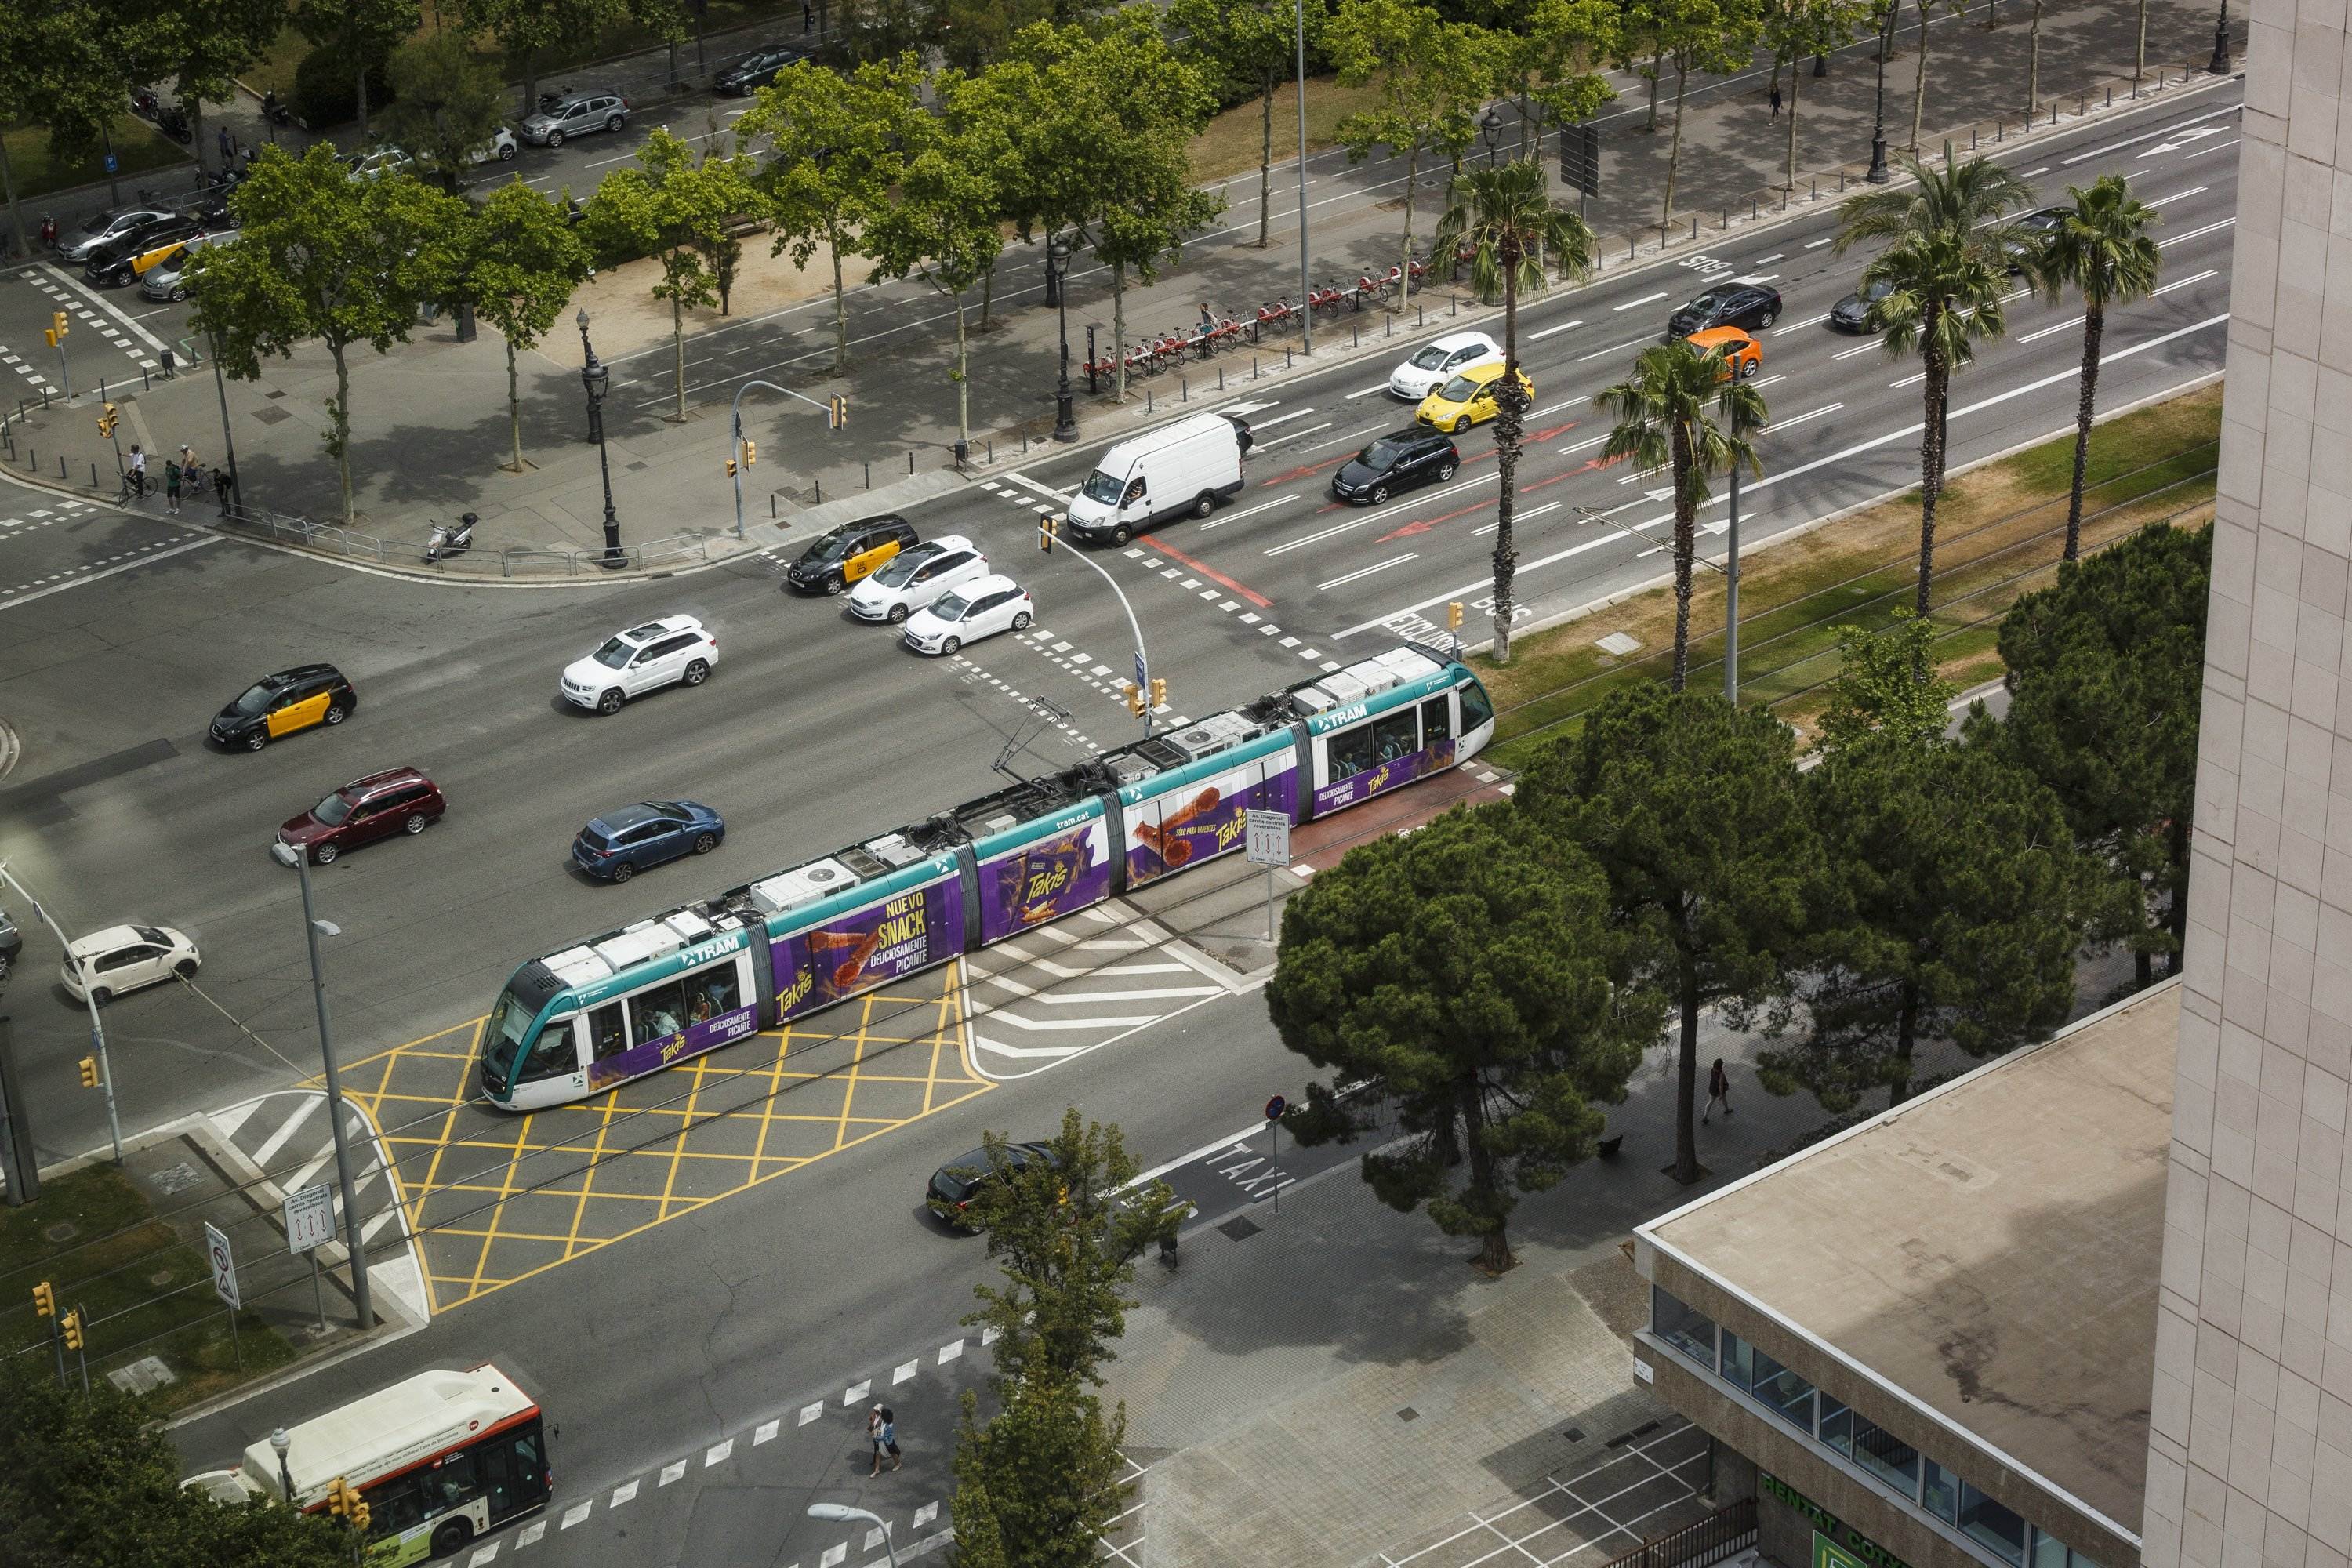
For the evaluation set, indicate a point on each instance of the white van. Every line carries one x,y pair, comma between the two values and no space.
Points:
1187,466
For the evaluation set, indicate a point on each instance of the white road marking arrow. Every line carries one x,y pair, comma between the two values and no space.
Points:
2185,138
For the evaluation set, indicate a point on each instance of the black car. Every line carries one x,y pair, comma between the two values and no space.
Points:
849,554
2036,228
109,265
12,943
1851,314
108,227
955,1182
280,704
757,70
1734,304
1397,461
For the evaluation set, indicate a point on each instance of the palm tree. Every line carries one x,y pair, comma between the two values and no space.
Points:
2103,251
1950,245
1504,217
1663,422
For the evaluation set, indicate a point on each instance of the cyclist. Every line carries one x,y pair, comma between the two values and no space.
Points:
138,471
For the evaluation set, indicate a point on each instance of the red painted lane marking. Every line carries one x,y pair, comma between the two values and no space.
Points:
1210,573
1302,473
1426,524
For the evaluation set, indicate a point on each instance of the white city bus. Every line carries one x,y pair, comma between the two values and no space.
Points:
441,1458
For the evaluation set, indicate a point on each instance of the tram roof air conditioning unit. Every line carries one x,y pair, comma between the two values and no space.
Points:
806,884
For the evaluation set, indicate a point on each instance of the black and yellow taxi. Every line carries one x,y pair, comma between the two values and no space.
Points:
282,703
849,554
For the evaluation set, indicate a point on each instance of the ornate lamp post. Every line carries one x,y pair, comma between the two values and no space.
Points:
1057,270
1878,174
598,380
1490,131
2220,63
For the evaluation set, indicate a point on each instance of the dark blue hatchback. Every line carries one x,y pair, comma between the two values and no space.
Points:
620,843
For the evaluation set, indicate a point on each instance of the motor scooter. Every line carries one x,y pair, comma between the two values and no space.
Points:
450,539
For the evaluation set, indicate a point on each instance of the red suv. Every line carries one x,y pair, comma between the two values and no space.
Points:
400,800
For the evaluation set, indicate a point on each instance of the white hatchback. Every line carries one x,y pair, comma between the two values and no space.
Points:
917,577
1430,369
980,608
675,650
105,963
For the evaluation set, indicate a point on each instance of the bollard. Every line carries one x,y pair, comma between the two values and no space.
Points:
1420,317
1147,400
1817,189
93,476
1751,209
2081,105
771,516
1388,326
1221,378
32,460
45,398
869,473
910,459
1784,199
1253,367
1355,334
2000,131
1025,442
1972,137
2054,113
991,451
820,492
2111,95
144,384
1629,244
102,394
1286,356
1726,222
1456,301
61,468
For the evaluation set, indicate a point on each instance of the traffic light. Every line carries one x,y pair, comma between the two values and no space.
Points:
339,1497
359,1515
1048,525
73,1330
751,453
837,411
89,1072
1134,697
107,420
730,467
45,1300
1453,616
1159,691
58,327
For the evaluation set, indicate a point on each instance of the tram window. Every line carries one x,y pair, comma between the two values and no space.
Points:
709,991
1476,709
1436,722
395,1505
660,1012
1396,736
554,1054
1350,752
606,1034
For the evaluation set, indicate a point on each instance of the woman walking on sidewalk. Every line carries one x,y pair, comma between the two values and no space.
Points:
1718,1087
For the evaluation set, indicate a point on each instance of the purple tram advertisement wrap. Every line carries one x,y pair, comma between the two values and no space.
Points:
1383,776
1204,819
865,948
1045,880
699,1010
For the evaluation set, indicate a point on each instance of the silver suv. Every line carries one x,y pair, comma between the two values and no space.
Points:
562,116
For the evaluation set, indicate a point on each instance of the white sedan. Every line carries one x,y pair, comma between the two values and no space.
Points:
1435,364
917,577
105,963
980,608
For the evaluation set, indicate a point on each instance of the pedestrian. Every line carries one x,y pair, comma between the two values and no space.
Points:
224,486
172,488
48,231
1718,1087
1776,101
138,471
228,149
882,1431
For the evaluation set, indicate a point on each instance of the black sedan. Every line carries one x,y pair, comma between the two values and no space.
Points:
757,70
620,843
1399,460
1752,306
1851,314
956,1183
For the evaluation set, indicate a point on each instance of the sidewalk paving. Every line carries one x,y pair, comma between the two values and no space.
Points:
431,433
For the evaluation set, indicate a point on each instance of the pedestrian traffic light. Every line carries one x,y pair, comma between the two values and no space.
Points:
730,467
751,453
89,1072
837,411
1134,697
45,1300
107,420
73,1330
1048,525
1159,691
1453,616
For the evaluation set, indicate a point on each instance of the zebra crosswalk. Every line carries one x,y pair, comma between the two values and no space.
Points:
1075,985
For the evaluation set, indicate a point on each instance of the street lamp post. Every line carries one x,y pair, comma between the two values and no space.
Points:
599,381
89,998
299,859
1057,290
2221,62
1731,584
1878,174
281,1440
1490,132
841,1514
220,386
1305,284
1142,659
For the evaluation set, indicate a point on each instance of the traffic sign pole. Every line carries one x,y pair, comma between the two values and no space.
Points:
1273,1109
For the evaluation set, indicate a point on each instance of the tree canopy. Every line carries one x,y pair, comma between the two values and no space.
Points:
520,260
447,103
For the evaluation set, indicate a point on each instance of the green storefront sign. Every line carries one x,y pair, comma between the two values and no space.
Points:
1836,1544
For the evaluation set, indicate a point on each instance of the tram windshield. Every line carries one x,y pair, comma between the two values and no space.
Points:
502,1036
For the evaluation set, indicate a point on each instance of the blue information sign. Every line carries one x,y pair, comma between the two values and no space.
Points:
110,162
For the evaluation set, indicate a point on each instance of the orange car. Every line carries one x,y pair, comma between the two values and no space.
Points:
1738,350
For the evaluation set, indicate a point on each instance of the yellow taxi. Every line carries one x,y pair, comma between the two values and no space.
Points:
1469,399
850,554
1742,356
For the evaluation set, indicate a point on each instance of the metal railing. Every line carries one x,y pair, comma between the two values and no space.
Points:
514,561
1718,1535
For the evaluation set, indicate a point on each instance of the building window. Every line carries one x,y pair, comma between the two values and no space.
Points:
1687,1330
1837,1426
1940,1495
2049,1551
1991,1525
1738,1358
1785,1393
1888,1456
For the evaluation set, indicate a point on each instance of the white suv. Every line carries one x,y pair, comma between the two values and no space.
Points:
916,577
673,651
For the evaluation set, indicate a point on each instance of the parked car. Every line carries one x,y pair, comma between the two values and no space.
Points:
396,801
849,554
980,608
1437,364
108,227
758,69
620,843
11,943
107,963
282,703
1399,460
574,114
1469,399
1739,303
168,279
916,577
1183,468
958,1181
1741,355
675,650
389,159
1851,314
113,264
